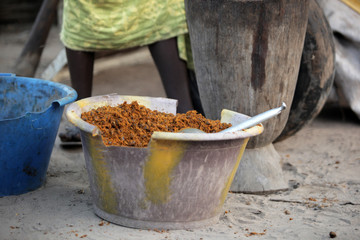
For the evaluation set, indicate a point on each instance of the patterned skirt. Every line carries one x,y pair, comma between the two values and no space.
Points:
94,25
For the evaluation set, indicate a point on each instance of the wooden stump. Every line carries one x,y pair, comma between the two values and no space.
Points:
316,75
247,57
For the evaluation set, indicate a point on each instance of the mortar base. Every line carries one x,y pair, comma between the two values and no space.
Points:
259,172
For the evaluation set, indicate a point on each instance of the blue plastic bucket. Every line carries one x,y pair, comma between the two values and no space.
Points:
30,115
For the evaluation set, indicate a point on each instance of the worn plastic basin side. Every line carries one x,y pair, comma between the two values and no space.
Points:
30,114
179,182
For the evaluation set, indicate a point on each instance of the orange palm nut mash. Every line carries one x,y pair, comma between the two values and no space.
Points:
132,124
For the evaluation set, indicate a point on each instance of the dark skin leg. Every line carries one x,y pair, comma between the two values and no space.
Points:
81,66
173,72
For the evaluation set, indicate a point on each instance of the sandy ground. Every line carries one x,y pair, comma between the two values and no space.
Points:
321,163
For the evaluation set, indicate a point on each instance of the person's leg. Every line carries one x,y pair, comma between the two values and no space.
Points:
81,66
194,92
173,72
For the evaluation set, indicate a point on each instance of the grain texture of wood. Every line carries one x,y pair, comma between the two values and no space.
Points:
247,56
316,75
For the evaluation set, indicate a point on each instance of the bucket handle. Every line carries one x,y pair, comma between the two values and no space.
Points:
71,97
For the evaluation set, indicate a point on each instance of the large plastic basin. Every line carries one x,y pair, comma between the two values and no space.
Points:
30,114
180,181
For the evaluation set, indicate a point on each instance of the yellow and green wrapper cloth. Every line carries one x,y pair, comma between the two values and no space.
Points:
95,25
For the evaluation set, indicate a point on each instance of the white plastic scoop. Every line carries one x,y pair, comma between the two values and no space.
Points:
247,123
